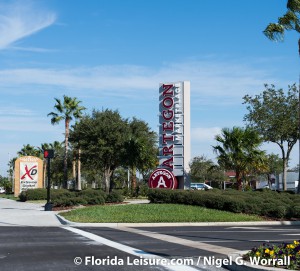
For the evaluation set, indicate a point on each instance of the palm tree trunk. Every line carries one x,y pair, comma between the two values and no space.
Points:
65,184
238,180
79,171
74,171
133,178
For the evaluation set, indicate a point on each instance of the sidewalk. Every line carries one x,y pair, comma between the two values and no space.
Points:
14,213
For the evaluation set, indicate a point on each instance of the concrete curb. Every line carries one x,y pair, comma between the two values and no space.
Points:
240,265
65,221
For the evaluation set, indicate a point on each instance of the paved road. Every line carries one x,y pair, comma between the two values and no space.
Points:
32,239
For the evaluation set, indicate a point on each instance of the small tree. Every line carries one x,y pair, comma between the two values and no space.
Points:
200,167
274,115
203,169
101,137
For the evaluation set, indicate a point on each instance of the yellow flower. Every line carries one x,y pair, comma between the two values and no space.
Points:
267,251
258,254
296,243
271,252
290,246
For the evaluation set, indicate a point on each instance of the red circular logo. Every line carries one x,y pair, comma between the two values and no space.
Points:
162,178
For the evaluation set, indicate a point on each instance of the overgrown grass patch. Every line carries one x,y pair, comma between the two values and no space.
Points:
153,213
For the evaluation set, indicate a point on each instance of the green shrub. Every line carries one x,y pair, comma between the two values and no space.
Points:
195,198
7,185
275,211
23,196
68,201
33,194
61,194
143,190
66,198
295,211
96,200
160,195
214,201
179,197
263,202
92,196
234,205
114,196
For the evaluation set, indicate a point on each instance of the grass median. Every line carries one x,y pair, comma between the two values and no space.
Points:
153,213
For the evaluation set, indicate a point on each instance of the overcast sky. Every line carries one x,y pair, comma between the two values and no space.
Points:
114,53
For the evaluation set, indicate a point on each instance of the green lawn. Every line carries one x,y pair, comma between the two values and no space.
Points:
10,196
151,213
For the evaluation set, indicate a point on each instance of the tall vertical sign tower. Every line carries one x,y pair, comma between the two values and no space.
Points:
174,137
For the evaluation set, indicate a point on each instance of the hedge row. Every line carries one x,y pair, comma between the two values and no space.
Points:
264,203
64,198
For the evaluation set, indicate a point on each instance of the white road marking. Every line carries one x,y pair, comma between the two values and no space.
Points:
180,241
128,249
248,228
272,241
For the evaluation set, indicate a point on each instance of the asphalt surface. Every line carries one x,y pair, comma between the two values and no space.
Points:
32,239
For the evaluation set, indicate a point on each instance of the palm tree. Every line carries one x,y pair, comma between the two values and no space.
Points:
238,150
29,150
275,32
67,110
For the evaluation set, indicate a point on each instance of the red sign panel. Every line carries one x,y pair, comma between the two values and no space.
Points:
162,178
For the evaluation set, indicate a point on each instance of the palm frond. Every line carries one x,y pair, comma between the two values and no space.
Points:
53,114
274,32
56,119
293,5
288,20
58,106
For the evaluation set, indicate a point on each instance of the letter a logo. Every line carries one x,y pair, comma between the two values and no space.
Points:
161,182
162,178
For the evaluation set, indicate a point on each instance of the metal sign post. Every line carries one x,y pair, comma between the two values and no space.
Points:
48,154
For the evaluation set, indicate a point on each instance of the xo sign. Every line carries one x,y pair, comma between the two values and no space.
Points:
29,172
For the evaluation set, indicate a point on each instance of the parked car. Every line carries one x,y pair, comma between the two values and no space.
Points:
273,187
2,190
200,186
